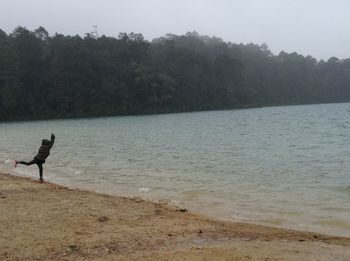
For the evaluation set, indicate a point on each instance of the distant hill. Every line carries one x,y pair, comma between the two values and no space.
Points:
44,77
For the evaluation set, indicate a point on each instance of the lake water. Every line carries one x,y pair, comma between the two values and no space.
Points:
279,166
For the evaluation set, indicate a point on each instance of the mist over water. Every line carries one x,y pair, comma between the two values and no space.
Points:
281,166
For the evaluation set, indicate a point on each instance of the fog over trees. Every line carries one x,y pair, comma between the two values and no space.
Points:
45,77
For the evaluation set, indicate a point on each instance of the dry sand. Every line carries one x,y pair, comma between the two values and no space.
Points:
50,222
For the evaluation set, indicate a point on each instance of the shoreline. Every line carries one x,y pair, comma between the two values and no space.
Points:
158,113
52,222
272,221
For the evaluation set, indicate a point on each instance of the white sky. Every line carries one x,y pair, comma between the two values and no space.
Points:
320,28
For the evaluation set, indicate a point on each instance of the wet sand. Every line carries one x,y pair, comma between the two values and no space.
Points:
50,222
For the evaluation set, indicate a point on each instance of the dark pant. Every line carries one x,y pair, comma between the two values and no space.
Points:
37,162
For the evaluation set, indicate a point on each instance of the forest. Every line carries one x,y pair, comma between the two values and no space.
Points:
46,76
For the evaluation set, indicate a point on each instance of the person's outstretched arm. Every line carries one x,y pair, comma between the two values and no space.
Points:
52,139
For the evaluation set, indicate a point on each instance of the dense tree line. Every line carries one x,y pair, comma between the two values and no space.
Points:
43,76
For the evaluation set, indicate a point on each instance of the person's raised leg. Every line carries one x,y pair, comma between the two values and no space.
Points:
24,162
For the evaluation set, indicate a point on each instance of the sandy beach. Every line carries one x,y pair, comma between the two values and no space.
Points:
51,222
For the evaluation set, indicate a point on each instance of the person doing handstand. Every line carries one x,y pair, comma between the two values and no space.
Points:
39,159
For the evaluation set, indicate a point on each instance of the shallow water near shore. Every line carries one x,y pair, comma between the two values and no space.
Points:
281,166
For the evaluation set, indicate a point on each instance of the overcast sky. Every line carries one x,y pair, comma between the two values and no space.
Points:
320,28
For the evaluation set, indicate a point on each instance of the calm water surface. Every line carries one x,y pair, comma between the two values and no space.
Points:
280,166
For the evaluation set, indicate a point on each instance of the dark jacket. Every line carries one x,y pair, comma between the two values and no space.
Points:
44,150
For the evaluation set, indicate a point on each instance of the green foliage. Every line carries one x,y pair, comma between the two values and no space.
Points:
43,76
